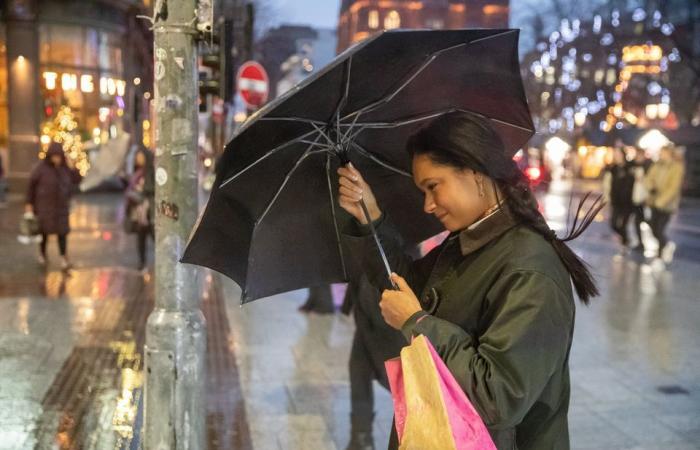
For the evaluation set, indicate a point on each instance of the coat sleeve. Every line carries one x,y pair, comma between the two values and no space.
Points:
505,369
364,253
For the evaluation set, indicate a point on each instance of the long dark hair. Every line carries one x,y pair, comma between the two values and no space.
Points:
468,141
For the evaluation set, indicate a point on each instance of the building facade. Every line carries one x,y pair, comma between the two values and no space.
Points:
88,60
360,19
311,56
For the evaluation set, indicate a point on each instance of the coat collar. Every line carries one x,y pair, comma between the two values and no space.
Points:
487,229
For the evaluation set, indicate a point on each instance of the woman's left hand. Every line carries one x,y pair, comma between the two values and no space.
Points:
398,306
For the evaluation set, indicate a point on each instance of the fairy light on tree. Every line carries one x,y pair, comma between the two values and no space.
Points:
64,129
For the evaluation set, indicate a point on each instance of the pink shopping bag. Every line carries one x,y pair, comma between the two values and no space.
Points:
432,412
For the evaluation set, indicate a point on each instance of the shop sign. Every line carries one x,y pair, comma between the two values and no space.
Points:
86,83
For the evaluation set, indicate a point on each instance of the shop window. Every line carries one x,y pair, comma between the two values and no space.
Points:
81,47
373,19
392,20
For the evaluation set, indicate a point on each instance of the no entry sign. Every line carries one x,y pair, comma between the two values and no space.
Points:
253,84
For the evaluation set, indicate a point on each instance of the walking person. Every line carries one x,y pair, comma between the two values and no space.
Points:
51,185
140,201
664,182
495,298
373,343
640,167
618,184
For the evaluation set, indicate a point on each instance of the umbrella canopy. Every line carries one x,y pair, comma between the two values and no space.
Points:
272,223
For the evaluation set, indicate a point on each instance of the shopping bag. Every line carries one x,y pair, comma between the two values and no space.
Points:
29,229
432,412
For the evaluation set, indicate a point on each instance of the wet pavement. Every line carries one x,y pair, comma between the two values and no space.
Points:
71,343
71,348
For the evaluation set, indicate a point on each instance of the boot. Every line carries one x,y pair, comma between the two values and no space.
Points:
361,432
360,440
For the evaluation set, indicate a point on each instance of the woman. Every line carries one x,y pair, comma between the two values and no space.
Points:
51,185
495,297
140,194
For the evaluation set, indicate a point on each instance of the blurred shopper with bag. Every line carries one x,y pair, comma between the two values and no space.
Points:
51,185
140,201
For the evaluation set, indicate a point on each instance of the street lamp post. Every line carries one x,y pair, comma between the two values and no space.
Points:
175,351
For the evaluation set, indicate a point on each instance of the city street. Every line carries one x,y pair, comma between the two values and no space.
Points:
71,355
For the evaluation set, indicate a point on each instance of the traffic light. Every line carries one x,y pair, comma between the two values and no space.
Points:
216,63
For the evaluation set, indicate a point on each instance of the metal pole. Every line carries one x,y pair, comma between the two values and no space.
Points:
175,351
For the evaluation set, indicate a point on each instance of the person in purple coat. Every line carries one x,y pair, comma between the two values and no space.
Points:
51,186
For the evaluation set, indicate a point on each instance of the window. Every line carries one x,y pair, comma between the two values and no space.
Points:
373,19
392,20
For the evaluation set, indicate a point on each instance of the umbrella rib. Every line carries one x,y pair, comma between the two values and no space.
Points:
406,121
409,120
265,156
492,36
335,217
411,76
331,144
511,124
364,152
290,119
301,159
346,92
315,144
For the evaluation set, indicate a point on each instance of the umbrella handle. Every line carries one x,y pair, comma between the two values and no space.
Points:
379,244
345,160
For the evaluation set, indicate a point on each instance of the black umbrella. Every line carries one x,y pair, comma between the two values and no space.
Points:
273,224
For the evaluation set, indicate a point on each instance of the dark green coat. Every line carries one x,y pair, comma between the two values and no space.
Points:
501,316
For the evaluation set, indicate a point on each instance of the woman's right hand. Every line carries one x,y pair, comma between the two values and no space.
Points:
353,188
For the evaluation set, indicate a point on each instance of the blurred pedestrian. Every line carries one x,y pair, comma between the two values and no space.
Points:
618,182
373,343
320,300
140,201
51,185
664,182
640,167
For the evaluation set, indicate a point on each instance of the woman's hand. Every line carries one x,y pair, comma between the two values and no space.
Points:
353,188
398,306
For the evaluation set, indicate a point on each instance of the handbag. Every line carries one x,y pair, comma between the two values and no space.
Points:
432,412
29,229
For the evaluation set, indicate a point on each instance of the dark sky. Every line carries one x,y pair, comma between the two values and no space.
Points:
317,13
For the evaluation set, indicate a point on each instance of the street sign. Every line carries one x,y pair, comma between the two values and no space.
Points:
253,84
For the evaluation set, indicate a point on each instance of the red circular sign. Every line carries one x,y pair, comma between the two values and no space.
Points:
253,84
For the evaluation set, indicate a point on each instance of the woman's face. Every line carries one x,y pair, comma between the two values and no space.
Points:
56,160
451,194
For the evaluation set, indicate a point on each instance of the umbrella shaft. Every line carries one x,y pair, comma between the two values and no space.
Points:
379,244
